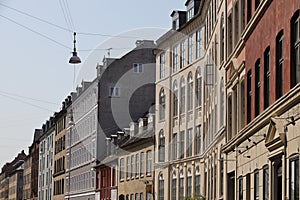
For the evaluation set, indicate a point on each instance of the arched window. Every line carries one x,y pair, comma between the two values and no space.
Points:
198,87
222,107
162,104
161,147
161,187
174,185
189,183
175,98
295,47
181,185
190,91
182,95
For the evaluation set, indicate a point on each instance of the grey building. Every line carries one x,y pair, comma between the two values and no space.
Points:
126,90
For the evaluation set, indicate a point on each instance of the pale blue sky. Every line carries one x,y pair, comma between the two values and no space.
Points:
32,66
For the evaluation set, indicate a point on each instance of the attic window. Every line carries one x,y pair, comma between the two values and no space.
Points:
190,13
176,24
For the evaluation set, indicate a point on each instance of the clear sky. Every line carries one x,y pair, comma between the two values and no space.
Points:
35,76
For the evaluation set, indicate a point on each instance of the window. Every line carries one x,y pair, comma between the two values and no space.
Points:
128,167
236,23
190,49
199,87
161,147
175,99
249,96
294,179
162,104
162,65
137,165
141,196
122,169
256,185
174,186
279,65
182,96
222,39
249,10
181,185
190,91
221,183
161,195
182,54
149,163
175,59
266,183
229,33
257,87
198,43
189,142
198,140
267,78
114,92
136,196
222,103
132,167
142,164
181,147
174,146
137,68
189,184
243,14
295,46
197,182
190,14
240,182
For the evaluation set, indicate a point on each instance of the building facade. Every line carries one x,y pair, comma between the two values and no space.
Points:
27,178
135,158
5,175
46,157
262,67
16,181
59,167
190,96
35,154
81,137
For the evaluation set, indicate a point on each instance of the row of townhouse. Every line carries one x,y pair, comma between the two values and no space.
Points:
73,141
225,125
228,101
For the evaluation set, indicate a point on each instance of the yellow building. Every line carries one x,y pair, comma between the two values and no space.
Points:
59,176
135,180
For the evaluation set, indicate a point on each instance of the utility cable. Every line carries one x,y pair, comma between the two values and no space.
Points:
17,95
40,34
19,100
63,28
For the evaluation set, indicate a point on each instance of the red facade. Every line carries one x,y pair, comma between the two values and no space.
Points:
277,18
106,181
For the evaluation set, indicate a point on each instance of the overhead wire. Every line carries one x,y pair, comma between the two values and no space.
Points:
69,14
25,102
66,19
36,32
29,98
69,29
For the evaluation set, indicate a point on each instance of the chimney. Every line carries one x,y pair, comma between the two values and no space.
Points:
144,44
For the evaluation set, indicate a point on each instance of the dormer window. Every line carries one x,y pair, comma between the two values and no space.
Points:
190,13
175,24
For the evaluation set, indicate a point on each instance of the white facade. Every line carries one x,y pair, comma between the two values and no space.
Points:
46,166
81,143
